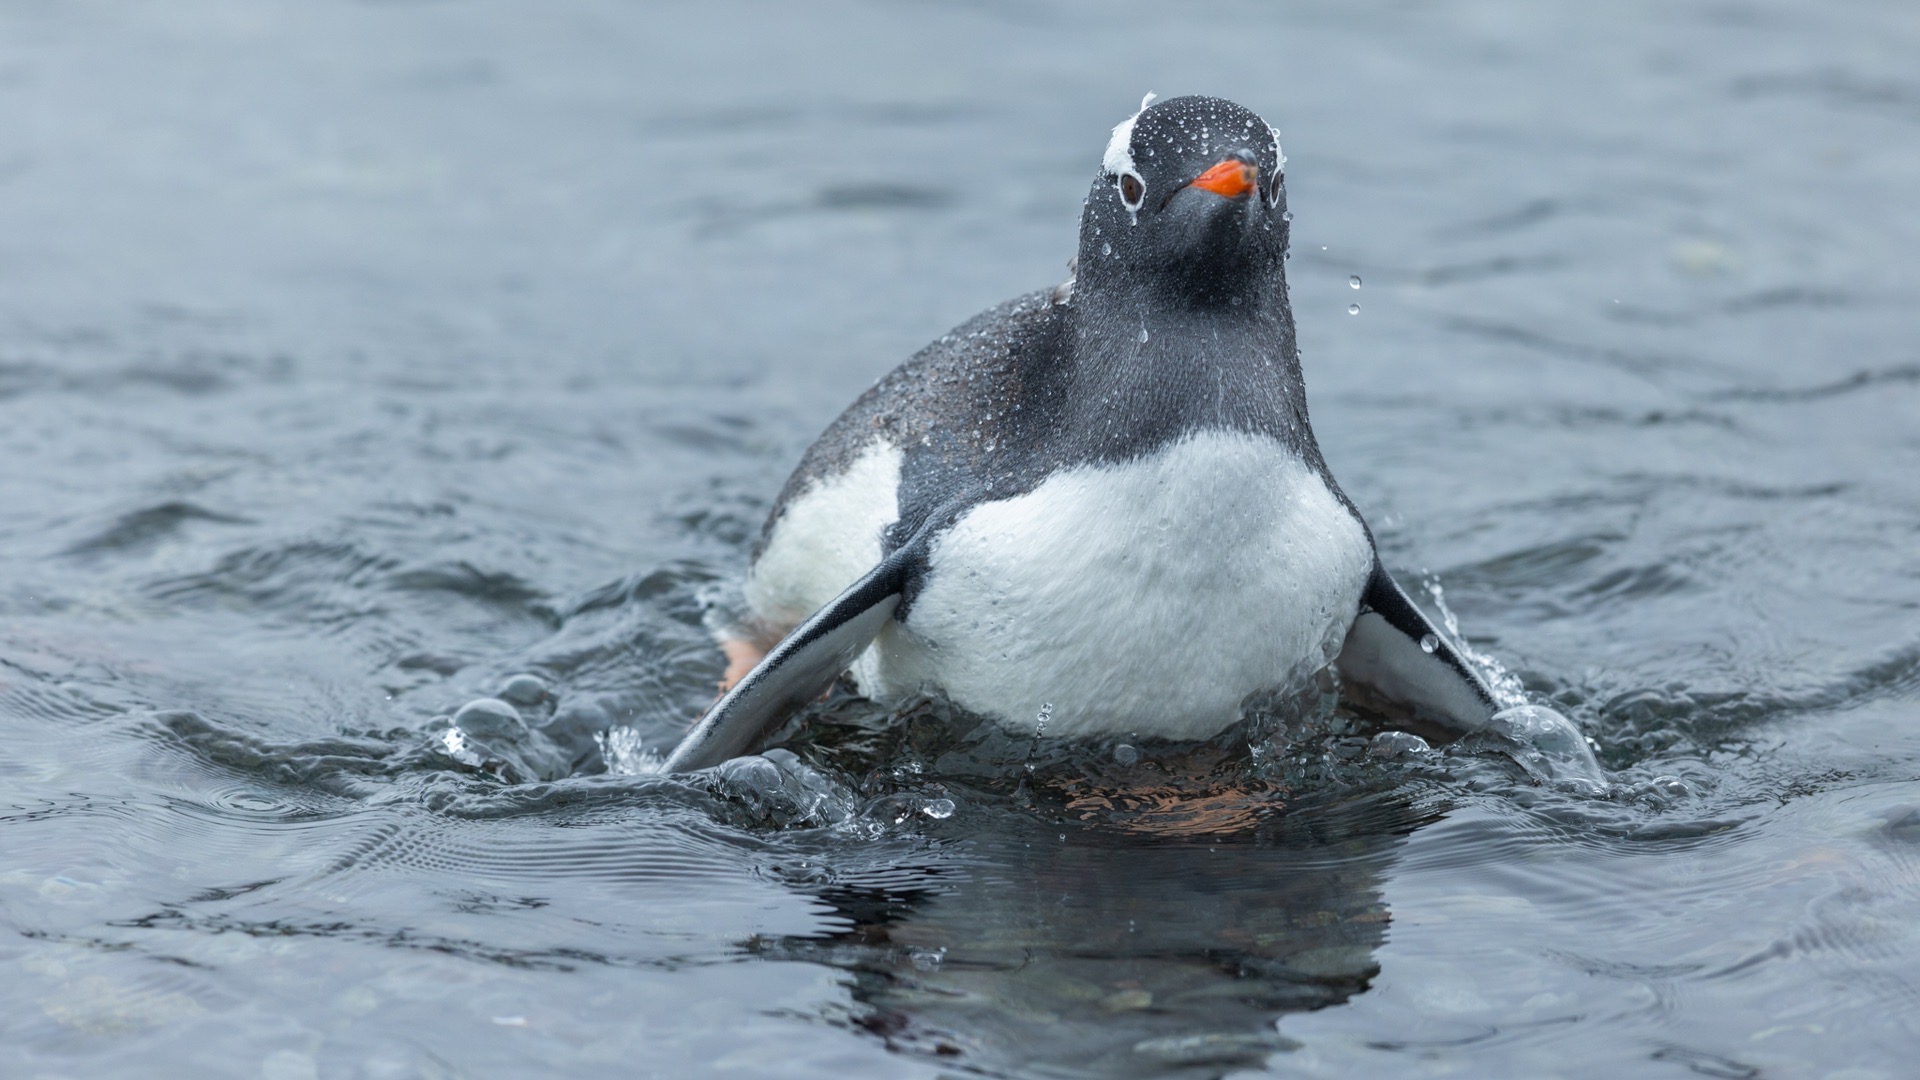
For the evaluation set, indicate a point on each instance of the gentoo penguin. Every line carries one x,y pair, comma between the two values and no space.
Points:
1098,507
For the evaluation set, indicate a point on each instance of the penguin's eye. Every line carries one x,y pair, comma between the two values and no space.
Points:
1132,190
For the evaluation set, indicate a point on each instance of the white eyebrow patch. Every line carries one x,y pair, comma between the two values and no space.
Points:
1119,156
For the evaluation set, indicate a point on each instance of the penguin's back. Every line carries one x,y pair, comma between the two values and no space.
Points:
931,431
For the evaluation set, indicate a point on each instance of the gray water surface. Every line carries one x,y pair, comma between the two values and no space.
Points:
357,357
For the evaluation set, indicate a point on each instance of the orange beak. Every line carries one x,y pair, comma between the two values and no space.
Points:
1231,178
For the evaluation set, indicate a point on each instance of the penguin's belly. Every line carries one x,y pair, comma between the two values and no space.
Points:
1144,598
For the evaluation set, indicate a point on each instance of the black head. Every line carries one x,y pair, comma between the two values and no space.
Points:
1190,204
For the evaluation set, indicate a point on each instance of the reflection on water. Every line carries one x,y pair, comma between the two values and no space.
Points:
1091,953
361,361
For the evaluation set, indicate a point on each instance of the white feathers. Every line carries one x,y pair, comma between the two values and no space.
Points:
827,539
1119,156
1151,596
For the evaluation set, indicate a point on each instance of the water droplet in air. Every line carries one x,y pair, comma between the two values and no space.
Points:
938,809
1353,309
1353,282
1429,643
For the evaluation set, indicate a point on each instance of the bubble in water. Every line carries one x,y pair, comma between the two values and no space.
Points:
938,809
1353,282
1429,643
1671,786
524,689
489,718
1397,744
749,774
1353,309
1549,747
1125,755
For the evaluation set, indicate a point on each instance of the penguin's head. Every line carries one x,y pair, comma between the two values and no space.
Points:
1190,199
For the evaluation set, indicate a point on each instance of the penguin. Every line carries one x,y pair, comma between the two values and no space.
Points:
1097,509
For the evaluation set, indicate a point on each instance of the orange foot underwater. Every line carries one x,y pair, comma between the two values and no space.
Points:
742,654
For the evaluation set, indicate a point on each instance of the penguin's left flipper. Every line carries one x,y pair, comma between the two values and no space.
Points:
798,670
1386,657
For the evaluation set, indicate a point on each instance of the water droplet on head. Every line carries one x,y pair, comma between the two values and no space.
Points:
1143,335
1353,309
1286,215
1429,643
1125,755
1353,282
1106,248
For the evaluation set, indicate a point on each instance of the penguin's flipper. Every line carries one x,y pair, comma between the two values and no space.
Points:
1394,653
799,669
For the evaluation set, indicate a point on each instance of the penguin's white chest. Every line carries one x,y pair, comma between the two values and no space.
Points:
1144,598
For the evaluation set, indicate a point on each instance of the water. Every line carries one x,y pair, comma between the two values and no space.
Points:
357,358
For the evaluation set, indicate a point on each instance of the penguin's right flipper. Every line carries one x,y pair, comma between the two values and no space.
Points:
1395,654
798,670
